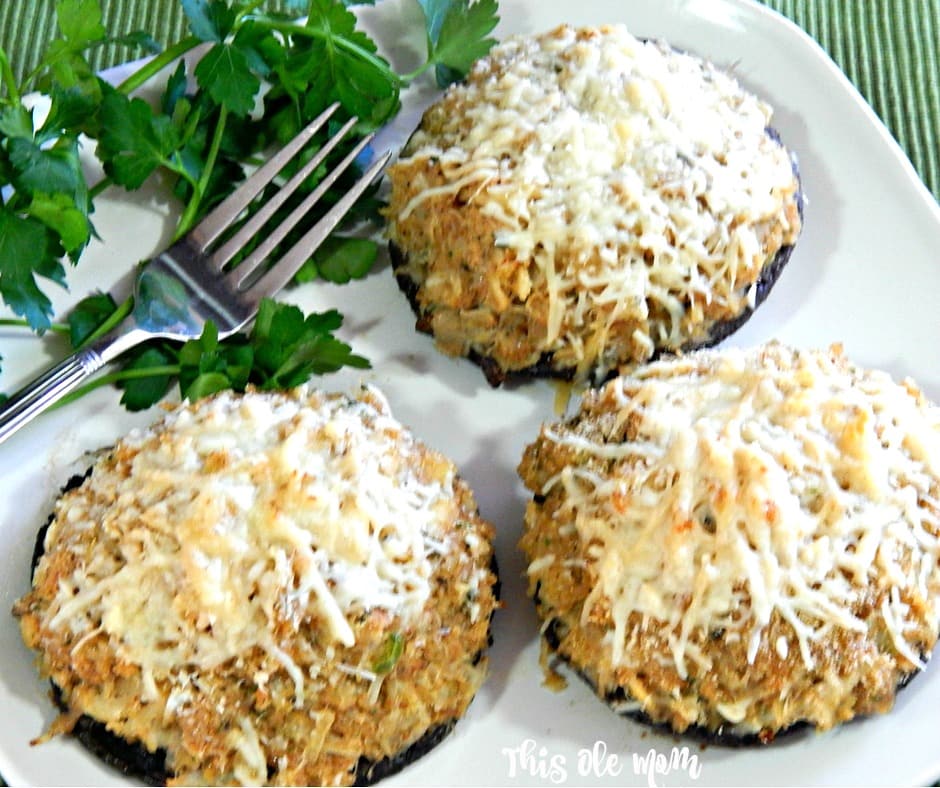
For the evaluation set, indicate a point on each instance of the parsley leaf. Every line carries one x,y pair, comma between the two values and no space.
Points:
434,13
225,74
260,47
389,653
457,33
16,122
80,22
141,391
341,63
208,366
290,348
175,92
203,132
87,315
62,214
134,141
283,350
210,20
340,260
36,169
72,108
27,250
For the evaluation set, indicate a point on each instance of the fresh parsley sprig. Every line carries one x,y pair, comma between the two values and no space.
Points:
283,349
263,75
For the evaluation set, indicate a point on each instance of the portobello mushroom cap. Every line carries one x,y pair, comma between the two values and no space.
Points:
586,201
738,544
461,560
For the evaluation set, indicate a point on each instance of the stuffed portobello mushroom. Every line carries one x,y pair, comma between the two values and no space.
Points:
737,543
277,588
586,201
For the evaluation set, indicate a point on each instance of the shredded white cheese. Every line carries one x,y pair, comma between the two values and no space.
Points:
244,516
638,179
753,482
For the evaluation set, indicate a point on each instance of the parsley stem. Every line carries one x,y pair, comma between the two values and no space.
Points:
407,79
192,209
339,41
99,187
117,377
161,61
8,78
123,310
248,10
58,328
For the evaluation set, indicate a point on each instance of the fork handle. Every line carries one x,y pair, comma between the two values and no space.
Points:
51,386
47,389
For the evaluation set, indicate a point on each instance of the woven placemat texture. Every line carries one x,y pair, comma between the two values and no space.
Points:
26,26
890,49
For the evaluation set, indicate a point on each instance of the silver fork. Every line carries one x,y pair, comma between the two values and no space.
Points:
187,284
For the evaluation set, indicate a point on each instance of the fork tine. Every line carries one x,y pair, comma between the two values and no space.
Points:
246,268
284,269
222,216
258,219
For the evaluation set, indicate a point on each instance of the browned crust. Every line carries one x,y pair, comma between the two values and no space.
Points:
725,736
545,367
134,760
495,375
865,668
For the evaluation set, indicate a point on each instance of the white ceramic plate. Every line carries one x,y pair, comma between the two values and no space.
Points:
864,273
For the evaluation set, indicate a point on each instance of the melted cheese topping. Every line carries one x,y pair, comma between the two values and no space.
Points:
639,180
713,490
237,518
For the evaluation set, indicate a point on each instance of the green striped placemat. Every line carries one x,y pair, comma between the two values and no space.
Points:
26,25
890,49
